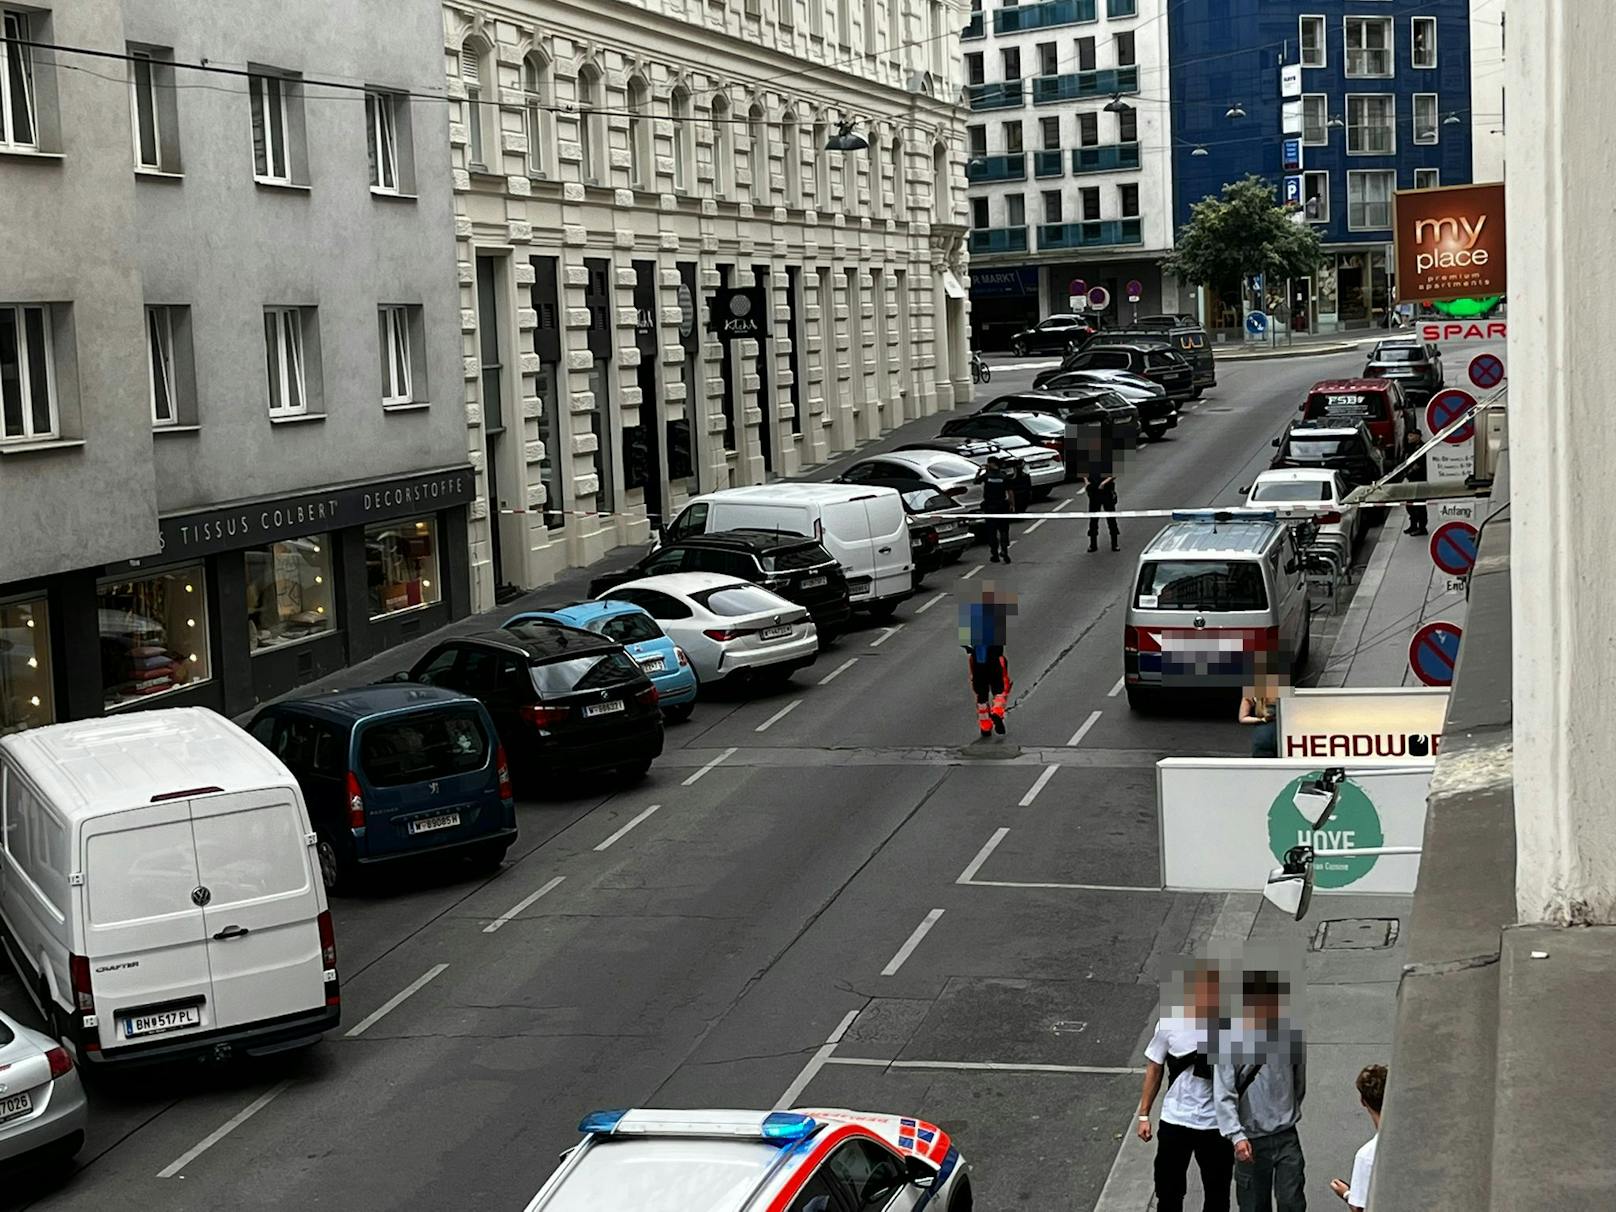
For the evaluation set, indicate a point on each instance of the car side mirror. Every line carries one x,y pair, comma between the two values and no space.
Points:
403,675
918,1172
1246,491
1275,442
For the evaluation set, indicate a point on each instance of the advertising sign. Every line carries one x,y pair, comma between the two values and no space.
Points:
1290,80
1352,725
1293,191
1226,822
1290,156
1290,118
739,312
1450,243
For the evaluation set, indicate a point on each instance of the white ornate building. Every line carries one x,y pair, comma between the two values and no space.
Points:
612,172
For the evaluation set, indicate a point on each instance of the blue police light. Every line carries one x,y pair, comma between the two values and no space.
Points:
1224,515
602,1122
786,1126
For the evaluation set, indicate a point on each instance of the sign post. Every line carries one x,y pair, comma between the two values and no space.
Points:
1136,290
1434,651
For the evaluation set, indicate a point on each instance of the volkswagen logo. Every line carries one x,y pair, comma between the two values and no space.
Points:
1200,622
200,896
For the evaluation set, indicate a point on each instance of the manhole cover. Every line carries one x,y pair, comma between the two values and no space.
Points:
1355,934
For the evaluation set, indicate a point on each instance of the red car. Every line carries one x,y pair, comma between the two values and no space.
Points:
1378,403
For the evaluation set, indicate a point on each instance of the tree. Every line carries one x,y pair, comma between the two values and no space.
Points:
1244,232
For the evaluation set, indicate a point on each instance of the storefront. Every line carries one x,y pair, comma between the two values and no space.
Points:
1353,288
245,602
1003,302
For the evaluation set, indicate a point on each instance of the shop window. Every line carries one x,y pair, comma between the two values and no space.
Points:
25,669
289,592
154,634
401,566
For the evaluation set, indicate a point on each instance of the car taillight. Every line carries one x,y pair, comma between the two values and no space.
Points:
648,696
679,653
78,974
328,958
541,716
61,1064
504,769
1058,444
1130,639
1326,519
929,538
723,634
356,803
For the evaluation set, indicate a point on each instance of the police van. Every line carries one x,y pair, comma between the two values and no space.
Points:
1217,596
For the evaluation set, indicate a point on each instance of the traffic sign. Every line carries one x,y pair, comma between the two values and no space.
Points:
1256,323
1291,156
1293,191
1077,287
1099,298
1074,302
1135,288
1453,548
1486,370
1434,651
1445,408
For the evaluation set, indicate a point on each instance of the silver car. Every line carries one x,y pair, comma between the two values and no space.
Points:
944,470
1044,467
42,1107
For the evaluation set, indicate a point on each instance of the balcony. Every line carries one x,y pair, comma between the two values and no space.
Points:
1121,8
1047,90
1113,157
1095,234
974,29
1048,163
1011,167
1018,19
1005,94
999,240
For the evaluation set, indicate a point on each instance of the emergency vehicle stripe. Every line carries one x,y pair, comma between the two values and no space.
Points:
942,1154
950,1160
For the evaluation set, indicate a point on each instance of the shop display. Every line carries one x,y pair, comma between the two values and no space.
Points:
154,635
25,671
288,592
401,566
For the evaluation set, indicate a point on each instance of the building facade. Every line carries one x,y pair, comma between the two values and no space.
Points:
1488,36
1069,161
232,455
1373,98
616,173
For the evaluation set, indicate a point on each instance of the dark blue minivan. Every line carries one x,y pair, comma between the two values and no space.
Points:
394,772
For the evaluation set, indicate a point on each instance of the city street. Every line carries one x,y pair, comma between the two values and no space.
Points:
819,897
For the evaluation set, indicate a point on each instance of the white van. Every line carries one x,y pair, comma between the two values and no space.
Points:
159,891
863,526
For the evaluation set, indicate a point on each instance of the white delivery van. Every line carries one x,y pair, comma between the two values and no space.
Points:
863,526
159,890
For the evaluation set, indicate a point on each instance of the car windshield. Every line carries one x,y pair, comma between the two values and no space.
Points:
632,1175
1221,585
1292,490
1400,353
948,467
732,601
804,555
1044,424
6,1035
926,500
591,672
627,628
1347,405
1318,450
422,747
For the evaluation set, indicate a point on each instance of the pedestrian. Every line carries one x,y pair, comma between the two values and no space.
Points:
1371,1093
998,497
1259,710
983,628
1189,1121
1258,1083
1102,493
1414,473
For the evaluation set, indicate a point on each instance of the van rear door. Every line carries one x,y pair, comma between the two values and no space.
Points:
889,531
846,534
261,916
145,934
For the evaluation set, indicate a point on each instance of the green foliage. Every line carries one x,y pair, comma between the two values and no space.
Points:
1243,232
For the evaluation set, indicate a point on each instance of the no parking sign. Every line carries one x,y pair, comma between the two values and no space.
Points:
1434,651
1453,548
1445,408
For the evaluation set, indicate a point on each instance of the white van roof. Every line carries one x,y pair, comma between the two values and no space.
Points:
92,767
797,493
1213,539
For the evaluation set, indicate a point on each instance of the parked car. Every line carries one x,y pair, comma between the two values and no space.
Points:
394,772
943,470
1415,364
663,661
1379,403
733,630
1080,410
1322,495
1155,412
42,1108
1041,465
937,534
789,564
979,451
564,701
1043,428
1187,339
1150,358
1347,447
1125,383
1052,334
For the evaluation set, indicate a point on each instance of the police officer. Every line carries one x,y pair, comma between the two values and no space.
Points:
1414,473
1102,493
998,496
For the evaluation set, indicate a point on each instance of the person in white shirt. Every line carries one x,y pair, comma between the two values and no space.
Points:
1372,1093
1189,1122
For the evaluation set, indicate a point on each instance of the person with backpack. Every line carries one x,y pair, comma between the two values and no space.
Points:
1258,1083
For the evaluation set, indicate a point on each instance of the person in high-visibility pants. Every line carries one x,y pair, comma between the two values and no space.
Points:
990,680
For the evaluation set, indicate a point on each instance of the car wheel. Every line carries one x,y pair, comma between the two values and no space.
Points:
962,1200
1196,394
1155,432
336,872
485,860
636,772
680,713
883,611
1303,649
1141,700
1018,348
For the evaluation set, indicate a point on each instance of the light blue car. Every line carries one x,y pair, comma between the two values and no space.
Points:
663,661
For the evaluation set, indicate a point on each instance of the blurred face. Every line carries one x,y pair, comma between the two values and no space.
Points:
1204,994
1263,1008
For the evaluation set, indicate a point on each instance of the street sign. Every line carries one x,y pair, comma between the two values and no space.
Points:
1486,370
1135,289
1434,651
1099,298
1256,323
1453,548
1290,80
1293,191
739,313
1077,287
1291,156
1074,302
1445,408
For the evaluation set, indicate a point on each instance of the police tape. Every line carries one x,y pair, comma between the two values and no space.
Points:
1291,513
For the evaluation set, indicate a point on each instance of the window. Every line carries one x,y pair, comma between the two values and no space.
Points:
1085,54
289,591
536,97
283,345
1425,119
1370,118
979,214
1012,137
471,75
1049,131
393,325
821,167
640,164
975,72
1427,178
942,205
1369,199
160,364
844,23
791,149
1012,63
1312,41
757,153
1316,196
1315,119
1128,126
816,18
899,186
154,634
867,1175
1207,585
27,373
1128,200
1052,206
421,747
25,674
1125,50
401,566
723,160
1423,39
870,34
590,143
146,108
683,154
787,17
18,116
1048,64
1090,198
272,129
1015,210
1369,46
382,142
976,139
1088,129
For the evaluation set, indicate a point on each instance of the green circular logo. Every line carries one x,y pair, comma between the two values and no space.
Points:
1354,825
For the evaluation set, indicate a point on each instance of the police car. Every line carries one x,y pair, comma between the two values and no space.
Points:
757,1161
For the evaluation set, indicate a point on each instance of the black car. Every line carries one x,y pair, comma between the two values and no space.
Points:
936,537
564,701
797,568
1078,406
1156,412
1188,340
1347,447
1149,358
1041,427
1412,363
1053,334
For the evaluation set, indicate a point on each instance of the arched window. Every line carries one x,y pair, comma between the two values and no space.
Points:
821,166
757,152
900,202
476,74
791,146
942,203
590,141
874,157
536,111
641,165
723,147
684,156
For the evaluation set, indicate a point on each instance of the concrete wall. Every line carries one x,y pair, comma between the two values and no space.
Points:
1487,44
66,224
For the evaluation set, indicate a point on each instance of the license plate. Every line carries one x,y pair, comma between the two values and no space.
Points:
595,709
653,664
776,633
814,582
14,1106
428,824
159,1021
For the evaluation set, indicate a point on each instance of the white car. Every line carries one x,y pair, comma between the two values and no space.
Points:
731,629
1318,493
41,1099
1045,467
752,1161
946,472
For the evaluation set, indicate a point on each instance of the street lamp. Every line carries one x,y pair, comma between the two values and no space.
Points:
1335,123
1235,111
1452,120
845,140
1117,105
1200,151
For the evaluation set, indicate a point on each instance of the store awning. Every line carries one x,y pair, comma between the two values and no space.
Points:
951,285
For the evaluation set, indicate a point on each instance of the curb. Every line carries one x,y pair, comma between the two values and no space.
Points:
1310,351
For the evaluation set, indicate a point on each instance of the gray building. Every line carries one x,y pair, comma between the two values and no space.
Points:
232,441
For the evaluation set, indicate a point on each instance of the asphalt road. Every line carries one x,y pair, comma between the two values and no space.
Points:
822,896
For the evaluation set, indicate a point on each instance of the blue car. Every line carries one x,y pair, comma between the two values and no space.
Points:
663,661
395,772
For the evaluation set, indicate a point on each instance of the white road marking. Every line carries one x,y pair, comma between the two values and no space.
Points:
980,1066
913,941
1068,887
838,671
778,716
623,832
222,1131
816,1062
522,904
694,778
1044,519
968,574
1043,781
930,604
1083,729
982,856
886,634
1115,690
397,1000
